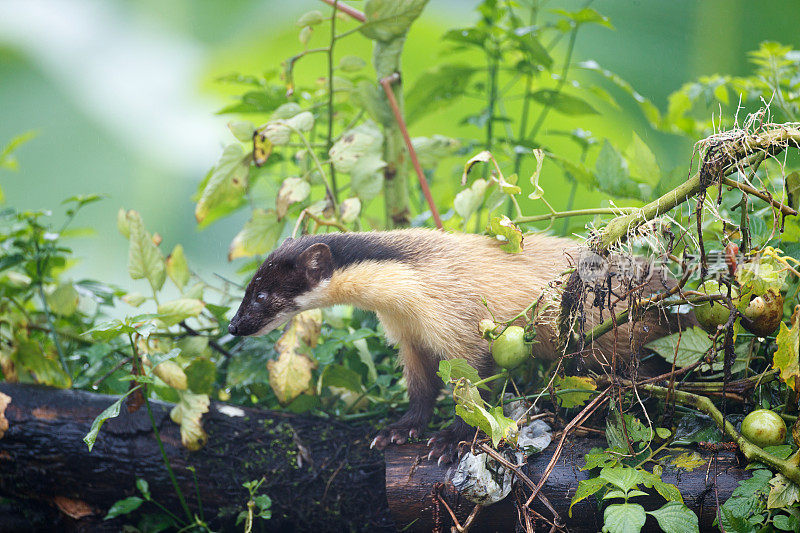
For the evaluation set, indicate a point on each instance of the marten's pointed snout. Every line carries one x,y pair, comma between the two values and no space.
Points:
232,329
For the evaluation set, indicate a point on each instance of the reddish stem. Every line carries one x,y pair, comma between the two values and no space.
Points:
386,83
344,8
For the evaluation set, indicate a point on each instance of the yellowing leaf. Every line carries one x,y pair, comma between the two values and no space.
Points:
223,191
574,399
177,268
134,299
172,374
258,235
785,358
171,313
290,375
292,190
354,144
144,257
469,200
688,461
188,412
481,157
783,493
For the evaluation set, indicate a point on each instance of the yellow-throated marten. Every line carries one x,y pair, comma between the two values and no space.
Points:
428,289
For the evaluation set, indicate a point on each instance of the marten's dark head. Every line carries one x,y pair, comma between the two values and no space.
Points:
275,293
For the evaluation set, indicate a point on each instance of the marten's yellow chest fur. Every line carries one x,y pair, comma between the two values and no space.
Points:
430,289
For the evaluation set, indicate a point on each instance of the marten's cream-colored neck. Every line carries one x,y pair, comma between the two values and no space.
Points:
384,287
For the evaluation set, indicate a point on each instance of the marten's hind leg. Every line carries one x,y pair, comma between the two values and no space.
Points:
423,386
444,445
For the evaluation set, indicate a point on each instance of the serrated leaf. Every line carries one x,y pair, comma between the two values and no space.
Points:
667,490
624,518
691,345
170,313
785,358
574,399
625,478
177,268
436,88
258,235
223,191
388,20
292,190
688,461
452,370
508,232
134,299
144,257
783,493
675,517
242,130
188,412
586,488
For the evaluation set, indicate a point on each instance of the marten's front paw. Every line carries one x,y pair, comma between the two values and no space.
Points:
444,446
396,434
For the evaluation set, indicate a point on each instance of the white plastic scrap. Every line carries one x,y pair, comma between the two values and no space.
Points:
481,479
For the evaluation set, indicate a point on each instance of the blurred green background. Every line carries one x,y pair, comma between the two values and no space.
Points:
122,94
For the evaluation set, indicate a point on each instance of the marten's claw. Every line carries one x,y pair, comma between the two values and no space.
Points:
444,446
398,434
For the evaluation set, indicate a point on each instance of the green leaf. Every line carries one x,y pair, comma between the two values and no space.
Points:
786,523
387,20
675,517
63,300
431,150
506,231
177,268
7,159
366,177
452,370
612,174
624,518
538,192
123,507
598,458
732,521
586,15
528,44
263,100
691,345
144,257
201,375
351,64
624,477
563,103
586,488
668,491
354,144
642,162
175,311
310,18
467,36
242,129
223,191
112,411
436,88
340,376
258,236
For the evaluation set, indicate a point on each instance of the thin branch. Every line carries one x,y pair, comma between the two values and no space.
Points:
386,83
344,8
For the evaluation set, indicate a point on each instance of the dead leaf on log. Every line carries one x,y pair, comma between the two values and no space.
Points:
4,401
76,509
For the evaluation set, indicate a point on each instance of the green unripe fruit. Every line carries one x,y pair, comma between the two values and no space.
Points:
509,349
716,313
764,428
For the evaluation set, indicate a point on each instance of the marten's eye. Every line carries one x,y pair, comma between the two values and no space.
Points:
261,297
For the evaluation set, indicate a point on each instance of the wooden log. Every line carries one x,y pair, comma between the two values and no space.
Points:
411,481
319,473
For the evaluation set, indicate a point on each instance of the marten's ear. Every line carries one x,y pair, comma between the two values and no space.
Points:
317,262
